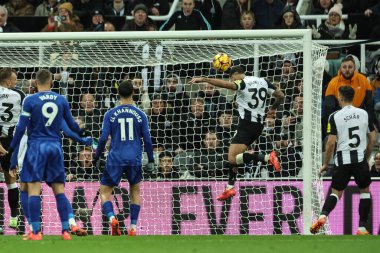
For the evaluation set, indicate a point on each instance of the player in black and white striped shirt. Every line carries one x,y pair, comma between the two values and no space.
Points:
349,128
10,108
252,96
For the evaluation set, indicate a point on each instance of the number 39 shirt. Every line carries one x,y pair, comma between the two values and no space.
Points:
252,94
350,125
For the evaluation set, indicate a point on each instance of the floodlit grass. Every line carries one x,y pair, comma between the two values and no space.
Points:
193,244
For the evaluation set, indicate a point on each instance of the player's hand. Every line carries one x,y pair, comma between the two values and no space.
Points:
13,171
3,152
323,170
196,80
87,141
150,166
271,113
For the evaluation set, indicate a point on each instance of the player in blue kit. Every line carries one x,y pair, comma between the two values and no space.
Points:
129,130
42,115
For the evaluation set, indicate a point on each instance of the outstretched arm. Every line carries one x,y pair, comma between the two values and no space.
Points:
216,82
72,135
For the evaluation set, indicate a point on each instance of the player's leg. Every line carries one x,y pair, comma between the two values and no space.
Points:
111,177
62,207
107,208
134,207
13,199
363,180
74,228
24,200
34,206
340,178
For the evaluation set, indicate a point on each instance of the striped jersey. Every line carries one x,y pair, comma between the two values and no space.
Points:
350,125
251,97
10,109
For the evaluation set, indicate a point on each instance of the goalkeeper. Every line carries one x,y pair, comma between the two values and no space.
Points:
128,126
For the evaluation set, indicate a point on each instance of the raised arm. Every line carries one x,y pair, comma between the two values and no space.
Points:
103,138
216,82
72,135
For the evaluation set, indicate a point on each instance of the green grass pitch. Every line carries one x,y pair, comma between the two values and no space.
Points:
194,244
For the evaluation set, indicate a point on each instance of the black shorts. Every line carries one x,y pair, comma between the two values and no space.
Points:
5,161
342,174
247,132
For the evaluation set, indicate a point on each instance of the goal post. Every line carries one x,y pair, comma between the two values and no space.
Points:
101,60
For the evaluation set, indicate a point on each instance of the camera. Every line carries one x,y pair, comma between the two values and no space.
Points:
59,18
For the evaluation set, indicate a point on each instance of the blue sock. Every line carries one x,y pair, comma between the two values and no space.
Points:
35,213
108,209
24,199
135,210
62,210
70,210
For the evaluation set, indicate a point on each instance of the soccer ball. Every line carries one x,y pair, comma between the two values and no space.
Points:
221,62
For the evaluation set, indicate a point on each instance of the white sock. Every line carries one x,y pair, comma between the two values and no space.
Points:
72,222
322,216
112,217
362,229
229,187
266,157
133,226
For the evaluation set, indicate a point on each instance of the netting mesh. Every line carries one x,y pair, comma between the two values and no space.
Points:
191,128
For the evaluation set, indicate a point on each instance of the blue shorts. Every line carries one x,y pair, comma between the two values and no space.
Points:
112,174
43,162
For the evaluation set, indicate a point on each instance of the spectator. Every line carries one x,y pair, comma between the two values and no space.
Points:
47,8
140,21
85,170
118,8
210,160
156,7
109,27
193,125
267,12
334,27
292,121
161,123
232,12
375,83
247,20
90,113
187,19
213,99
176,99
166,168
5,26
97,21
66,21
140,96
322,6
212,11
373,12
225,129
290,19
19,8
83,8
347,75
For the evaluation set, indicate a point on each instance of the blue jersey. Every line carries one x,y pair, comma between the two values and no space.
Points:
128,127
46,111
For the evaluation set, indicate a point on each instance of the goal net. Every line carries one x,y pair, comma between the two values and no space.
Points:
191,127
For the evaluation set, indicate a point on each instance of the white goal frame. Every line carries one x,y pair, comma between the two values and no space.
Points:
42,38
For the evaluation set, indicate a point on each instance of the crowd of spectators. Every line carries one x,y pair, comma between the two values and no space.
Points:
110,15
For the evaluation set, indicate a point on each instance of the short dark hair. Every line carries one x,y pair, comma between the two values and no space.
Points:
125,89
347,92
348,58
43,76
236,70
165,153
5,74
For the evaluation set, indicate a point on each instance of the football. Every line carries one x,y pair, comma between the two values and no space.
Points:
221,62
